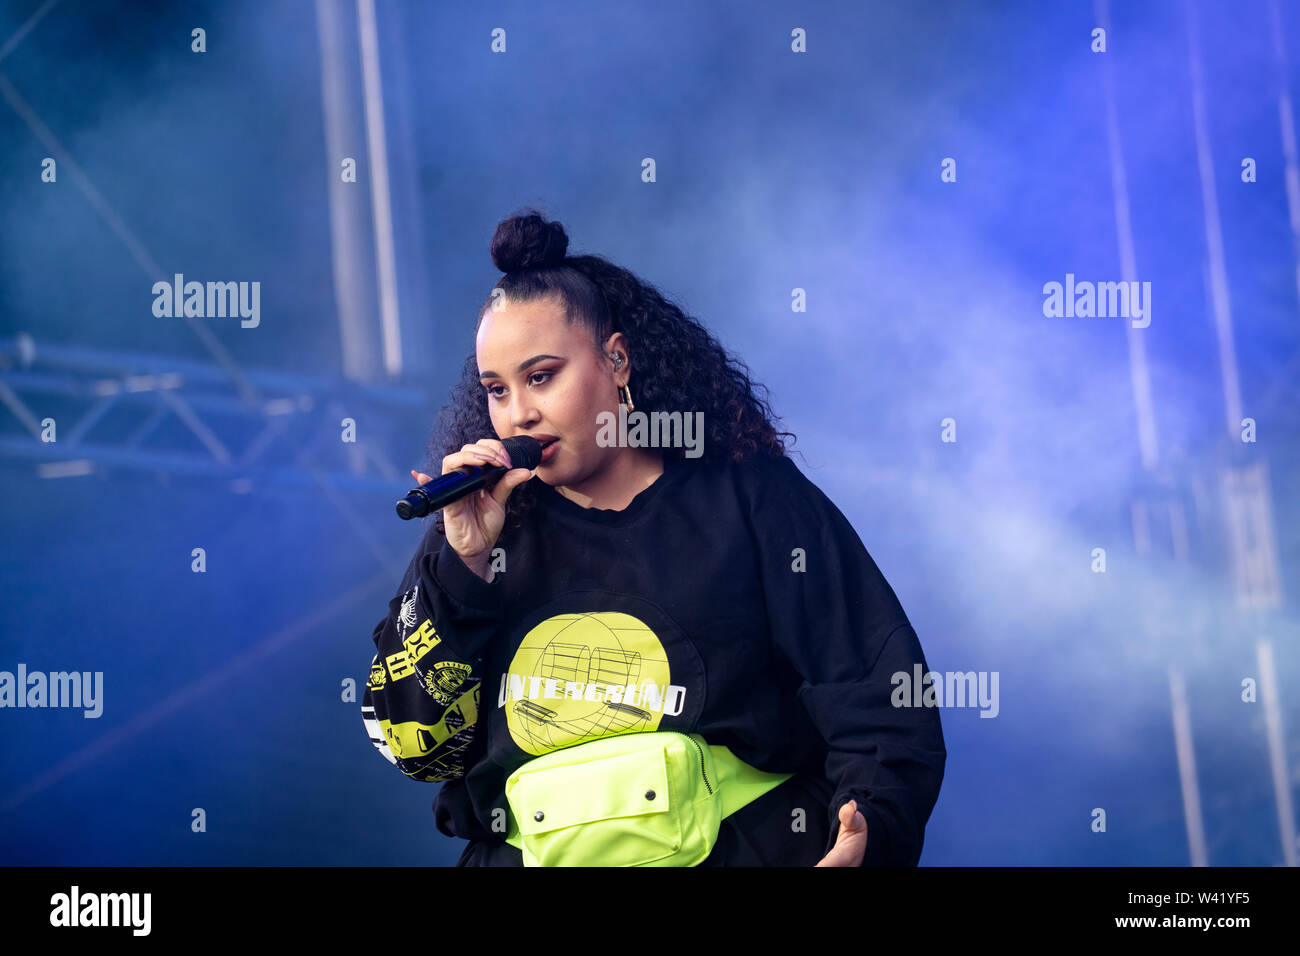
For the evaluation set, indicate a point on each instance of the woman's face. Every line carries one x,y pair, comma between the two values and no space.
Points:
542,377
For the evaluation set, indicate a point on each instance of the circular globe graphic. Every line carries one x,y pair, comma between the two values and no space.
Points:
609,656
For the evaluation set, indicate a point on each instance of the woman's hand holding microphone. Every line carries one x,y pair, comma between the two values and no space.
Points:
474,522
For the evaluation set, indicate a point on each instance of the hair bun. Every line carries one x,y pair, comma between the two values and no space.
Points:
528,242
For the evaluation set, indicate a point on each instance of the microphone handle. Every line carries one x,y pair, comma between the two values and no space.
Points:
524,451
445,489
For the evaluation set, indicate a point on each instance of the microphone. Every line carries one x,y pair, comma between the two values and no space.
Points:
524,451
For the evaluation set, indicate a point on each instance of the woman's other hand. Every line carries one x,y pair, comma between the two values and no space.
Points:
851,843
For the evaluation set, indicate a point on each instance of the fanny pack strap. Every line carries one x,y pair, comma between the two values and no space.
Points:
738,784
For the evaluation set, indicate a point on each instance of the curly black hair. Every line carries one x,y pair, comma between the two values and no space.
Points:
679,365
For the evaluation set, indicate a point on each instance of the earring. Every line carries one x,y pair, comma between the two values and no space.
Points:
622,389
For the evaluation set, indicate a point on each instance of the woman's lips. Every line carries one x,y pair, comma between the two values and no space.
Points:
549,451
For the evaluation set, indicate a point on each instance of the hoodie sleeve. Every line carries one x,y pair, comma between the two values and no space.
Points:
421,700
836,622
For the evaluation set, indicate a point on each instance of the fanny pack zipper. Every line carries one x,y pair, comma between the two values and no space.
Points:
701,750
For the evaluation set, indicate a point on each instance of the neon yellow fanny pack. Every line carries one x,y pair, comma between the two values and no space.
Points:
643,799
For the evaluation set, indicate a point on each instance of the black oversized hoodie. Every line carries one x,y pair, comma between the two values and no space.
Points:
732,600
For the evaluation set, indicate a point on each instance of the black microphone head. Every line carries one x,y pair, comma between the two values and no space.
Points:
525,451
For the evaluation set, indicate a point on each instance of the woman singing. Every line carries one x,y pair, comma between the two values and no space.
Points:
665,570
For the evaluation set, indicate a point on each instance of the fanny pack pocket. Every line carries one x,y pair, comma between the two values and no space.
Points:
643,799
